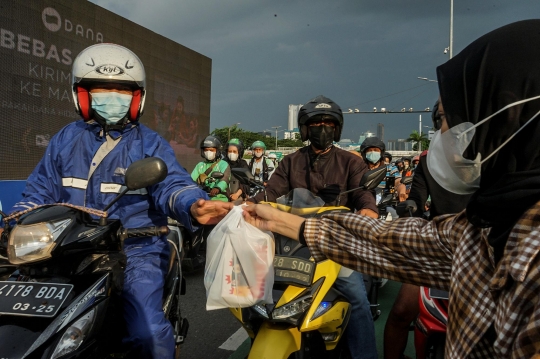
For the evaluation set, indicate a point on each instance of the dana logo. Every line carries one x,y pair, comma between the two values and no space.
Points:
51,19
111,70
323,105
53,22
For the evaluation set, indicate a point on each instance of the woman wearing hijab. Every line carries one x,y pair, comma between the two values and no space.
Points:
487,256
235,152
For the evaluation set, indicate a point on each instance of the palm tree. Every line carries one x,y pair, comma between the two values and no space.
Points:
416,138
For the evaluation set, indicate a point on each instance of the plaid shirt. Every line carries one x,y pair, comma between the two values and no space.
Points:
453,255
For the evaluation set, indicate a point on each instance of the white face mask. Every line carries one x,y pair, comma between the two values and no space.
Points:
209,155
258,154
445,158
112,106
232,156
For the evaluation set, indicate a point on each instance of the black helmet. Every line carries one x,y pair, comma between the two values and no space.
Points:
435,117
314,109
211,141
372,142
405,158
239,144
388,155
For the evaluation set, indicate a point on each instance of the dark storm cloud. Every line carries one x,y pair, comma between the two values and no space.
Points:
268,54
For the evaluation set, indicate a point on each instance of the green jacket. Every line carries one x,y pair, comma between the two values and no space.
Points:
221,166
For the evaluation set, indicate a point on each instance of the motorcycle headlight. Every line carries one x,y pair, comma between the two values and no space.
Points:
34,242
261,310
74,335
299,306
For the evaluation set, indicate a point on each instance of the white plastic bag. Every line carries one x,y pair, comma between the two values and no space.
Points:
239,269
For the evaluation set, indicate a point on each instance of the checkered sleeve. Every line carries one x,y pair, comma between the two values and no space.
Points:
409,250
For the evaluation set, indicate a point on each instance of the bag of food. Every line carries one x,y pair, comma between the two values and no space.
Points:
239,268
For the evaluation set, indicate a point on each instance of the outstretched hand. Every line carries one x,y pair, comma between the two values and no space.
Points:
267,218
260,216
210,212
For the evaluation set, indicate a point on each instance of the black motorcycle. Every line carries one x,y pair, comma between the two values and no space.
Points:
60,294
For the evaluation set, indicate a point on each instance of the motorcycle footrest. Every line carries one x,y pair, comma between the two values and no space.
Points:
182,333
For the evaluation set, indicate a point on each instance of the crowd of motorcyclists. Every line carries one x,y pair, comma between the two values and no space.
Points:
75,166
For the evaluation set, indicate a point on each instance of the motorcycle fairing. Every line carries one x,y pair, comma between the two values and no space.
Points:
275,341
98,291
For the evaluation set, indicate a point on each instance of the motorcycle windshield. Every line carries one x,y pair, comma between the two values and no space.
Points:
301,202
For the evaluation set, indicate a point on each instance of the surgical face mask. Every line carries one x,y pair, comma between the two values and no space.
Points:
321,137
373,156
232,156
209,155
445,158
258,154
405,165
112,106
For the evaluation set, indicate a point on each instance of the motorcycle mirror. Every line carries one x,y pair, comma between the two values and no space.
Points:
403,208
371,179
244,175
407,180
217,175
146,172
140,174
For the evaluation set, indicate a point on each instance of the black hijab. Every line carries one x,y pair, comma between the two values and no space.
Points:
499,68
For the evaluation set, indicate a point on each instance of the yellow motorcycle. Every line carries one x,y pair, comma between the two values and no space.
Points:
308,316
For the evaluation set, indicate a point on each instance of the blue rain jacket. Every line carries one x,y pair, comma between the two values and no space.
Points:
62,176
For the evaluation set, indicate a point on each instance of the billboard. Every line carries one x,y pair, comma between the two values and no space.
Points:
39,40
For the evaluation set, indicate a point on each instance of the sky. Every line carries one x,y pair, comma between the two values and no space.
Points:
267,54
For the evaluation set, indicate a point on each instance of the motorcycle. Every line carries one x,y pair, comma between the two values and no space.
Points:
60,292
308,316
430,325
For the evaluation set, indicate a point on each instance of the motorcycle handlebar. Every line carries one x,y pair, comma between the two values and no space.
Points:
145,232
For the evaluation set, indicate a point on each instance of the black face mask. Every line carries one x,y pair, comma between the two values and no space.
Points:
321,137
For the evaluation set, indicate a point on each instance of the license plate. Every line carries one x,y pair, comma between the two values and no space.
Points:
32,299
294,270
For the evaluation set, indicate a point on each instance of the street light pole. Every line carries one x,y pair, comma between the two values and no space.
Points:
451,28
426,79
229,137
420,134
276,128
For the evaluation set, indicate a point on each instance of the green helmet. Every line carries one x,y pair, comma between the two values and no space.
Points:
258,144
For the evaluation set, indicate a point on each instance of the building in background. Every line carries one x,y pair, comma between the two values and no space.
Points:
365,135
38,43
293,117
399,145
380,131
292,135
265,133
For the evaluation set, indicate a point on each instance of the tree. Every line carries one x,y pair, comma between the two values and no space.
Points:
290,143
247,137
416,138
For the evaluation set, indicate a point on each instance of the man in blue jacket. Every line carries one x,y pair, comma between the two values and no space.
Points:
85,164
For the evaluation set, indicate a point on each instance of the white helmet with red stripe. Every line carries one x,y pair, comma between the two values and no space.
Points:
108,64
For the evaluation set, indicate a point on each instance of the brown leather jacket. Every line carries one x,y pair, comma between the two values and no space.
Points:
325,175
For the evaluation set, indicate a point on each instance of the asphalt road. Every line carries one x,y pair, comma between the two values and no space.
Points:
208,330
